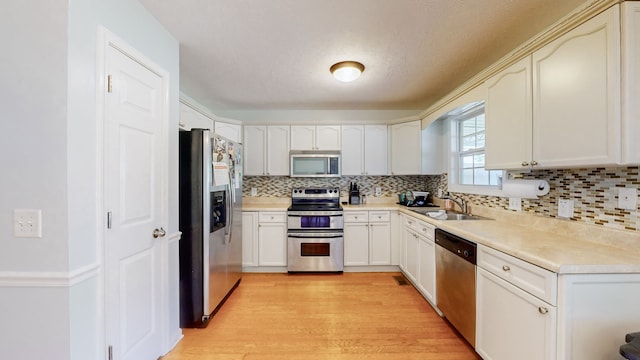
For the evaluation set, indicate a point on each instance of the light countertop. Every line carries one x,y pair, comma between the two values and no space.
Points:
561,246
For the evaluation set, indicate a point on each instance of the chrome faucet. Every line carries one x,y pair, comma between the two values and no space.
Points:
461,202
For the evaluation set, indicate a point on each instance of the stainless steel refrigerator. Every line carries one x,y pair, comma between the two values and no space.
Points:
210,214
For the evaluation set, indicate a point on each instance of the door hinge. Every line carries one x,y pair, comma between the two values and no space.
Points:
109,219
109,83
110,352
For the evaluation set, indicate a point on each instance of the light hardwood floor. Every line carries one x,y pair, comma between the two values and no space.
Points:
324,316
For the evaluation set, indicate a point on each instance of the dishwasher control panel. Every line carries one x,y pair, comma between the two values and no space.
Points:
457,245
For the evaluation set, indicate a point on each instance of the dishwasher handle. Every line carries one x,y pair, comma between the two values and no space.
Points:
460,247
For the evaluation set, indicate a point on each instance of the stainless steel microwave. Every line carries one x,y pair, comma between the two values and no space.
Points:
306,163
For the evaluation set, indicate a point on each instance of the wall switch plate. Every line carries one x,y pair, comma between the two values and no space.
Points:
27,223
378,191
254,192
565,208
628,198
515,204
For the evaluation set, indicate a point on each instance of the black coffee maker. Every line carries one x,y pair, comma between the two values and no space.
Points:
354,194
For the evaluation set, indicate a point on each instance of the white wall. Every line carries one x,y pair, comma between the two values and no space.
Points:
50,288
317,117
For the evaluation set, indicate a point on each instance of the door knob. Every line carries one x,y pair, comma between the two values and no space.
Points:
159,233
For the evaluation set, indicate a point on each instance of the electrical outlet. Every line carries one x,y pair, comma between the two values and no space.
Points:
254,192
378,191
27,223
628,198
515,204
565,208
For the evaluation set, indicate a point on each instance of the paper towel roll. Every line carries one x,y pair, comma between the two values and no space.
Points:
526,189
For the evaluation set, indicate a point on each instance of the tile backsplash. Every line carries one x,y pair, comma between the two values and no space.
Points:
594,191
280,186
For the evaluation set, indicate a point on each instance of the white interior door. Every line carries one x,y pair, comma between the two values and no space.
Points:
133,150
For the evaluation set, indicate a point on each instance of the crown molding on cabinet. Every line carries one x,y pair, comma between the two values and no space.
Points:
580,15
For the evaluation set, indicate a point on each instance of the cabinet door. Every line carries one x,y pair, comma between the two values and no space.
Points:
272,244
356,244
303,137
509,118
191,118
412,256
255,142
277,150
328,137
512,324
232,132
631,82
249,239
576,82
376,150
427,269
353,149
405,148
433,149
380,244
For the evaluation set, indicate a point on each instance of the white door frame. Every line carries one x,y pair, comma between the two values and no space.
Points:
105,40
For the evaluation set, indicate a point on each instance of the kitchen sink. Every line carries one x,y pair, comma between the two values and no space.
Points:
448,215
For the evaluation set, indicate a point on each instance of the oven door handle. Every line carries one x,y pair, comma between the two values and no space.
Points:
315,235
316,213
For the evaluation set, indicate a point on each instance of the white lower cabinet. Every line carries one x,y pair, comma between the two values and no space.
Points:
272,239
367,238
427,268
249,239
420,256
516,313
511,323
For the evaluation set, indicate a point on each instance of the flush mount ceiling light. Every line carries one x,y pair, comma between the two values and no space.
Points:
347,71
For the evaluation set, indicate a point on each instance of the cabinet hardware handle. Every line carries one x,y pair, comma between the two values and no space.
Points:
524,163
534,163
543,310
506,267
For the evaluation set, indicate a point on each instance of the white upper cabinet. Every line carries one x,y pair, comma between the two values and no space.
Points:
559,107
631,82
255,144
509,118
576,99
364,149
191,118
406,148
432,148
309,137
266,150
278,150
232,132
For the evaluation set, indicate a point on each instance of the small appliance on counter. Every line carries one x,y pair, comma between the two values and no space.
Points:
354,194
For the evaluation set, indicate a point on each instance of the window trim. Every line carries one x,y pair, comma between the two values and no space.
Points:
454,156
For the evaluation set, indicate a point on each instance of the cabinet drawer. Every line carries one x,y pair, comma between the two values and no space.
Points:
425,229
356,216
272,217
379,216
535,280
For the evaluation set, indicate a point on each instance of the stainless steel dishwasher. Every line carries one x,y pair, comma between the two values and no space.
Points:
456,282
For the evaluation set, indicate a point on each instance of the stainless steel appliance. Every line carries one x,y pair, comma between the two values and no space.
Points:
306,163
315,231
456,282
210,214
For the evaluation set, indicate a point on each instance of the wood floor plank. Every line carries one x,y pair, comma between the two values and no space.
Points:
350,316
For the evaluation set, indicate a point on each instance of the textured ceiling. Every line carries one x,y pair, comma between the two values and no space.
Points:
276,54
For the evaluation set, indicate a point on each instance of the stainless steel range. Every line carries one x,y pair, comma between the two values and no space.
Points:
315,231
